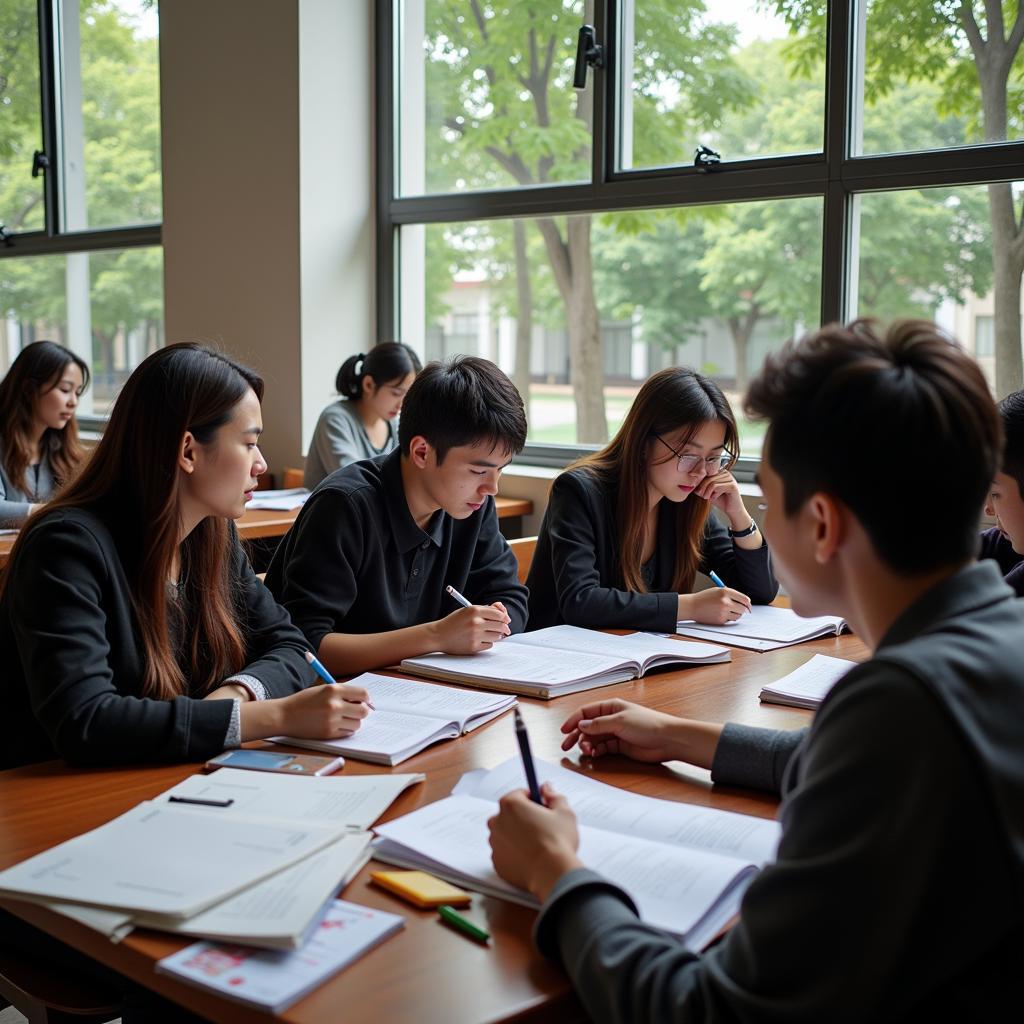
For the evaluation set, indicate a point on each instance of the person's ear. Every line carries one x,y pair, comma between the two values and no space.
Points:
369,388
420,450
187,453
828,524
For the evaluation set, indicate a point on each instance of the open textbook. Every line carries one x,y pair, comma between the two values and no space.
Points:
563,659
807,686
765,628
190,868
272,981
685,867
283,501
409,716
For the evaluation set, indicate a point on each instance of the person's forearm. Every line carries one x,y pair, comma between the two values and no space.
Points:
260,719
347,654
694,742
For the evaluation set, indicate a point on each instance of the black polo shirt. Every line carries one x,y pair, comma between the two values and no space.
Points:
356,562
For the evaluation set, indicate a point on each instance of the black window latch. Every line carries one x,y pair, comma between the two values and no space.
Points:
589,52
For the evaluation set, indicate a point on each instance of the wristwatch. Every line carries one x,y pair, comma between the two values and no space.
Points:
744,533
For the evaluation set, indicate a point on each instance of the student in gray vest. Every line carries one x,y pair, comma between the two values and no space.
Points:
363,423
39,446
897,892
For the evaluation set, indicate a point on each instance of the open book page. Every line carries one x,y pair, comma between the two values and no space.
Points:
354,802
639,648
164,859
519,662
807,686
280,911
672,887
281,500
273,980
616,810
764,622
444,703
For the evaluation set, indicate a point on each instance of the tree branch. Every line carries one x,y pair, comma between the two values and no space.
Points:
558,254
512,163
994,18
973,33
1016,37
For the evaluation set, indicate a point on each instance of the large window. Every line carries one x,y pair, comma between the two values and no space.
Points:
80,195
731,174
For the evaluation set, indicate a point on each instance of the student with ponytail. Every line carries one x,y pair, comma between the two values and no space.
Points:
133,627
39,447
363,423
627,529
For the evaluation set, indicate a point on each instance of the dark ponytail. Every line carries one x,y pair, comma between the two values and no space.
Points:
389,361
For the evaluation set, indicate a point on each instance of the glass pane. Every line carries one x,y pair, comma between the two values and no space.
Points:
713,288
935,98
107,306
930,253
110,124
732,75
485,97
21,195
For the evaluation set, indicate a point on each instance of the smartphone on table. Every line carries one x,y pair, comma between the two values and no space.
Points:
272,761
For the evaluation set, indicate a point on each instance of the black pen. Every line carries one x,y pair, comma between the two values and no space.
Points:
200,801
524,750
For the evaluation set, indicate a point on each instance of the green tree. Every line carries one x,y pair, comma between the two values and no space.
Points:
971,53
501,74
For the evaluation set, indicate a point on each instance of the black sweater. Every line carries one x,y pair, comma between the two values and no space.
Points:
575,576
73,656
356,562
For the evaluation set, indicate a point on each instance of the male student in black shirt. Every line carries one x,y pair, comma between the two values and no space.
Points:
364,569
1004,542
897,892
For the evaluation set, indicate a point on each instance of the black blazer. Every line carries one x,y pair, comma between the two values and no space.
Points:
73,657
575,576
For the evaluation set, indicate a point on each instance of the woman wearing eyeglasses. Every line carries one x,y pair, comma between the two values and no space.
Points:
627,529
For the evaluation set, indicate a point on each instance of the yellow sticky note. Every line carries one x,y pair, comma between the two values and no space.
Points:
420,889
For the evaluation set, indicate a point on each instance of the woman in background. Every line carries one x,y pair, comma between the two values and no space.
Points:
363,423
39,446
627,529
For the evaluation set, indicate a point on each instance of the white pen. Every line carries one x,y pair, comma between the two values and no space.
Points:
458,597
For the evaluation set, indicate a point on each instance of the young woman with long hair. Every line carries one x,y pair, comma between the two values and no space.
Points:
134,627
39,446
363,423
627,529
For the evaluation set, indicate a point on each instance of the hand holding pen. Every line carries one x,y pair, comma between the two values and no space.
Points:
471,629
356,694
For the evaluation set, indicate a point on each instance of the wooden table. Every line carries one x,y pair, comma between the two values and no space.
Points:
259,523
427,973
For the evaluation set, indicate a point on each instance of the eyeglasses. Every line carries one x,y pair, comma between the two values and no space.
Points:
688,463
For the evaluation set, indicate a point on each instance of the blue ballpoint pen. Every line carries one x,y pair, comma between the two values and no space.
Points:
326,676
716,579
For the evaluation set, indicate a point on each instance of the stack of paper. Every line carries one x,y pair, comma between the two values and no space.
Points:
685,867
284,501
807,686
408,717
765,628
272,981
258,870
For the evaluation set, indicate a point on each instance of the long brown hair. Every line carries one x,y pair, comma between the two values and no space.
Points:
38,369
669,400
132,484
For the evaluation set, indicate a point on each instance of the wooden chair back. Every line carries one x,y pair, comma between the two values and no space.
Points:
523,548
292,477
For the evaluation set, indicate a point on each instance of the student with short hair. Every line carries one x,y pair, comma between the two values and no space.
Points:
132,625
363,571
628,528
39,446
1004,542
897,892
362,423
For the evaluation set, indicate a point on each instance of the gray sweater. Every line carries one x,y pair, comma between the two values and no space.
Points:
339,440
14,502
897,893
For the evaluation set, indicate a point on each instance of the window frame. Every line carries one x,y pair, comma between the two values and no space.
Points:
833,175
52,240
